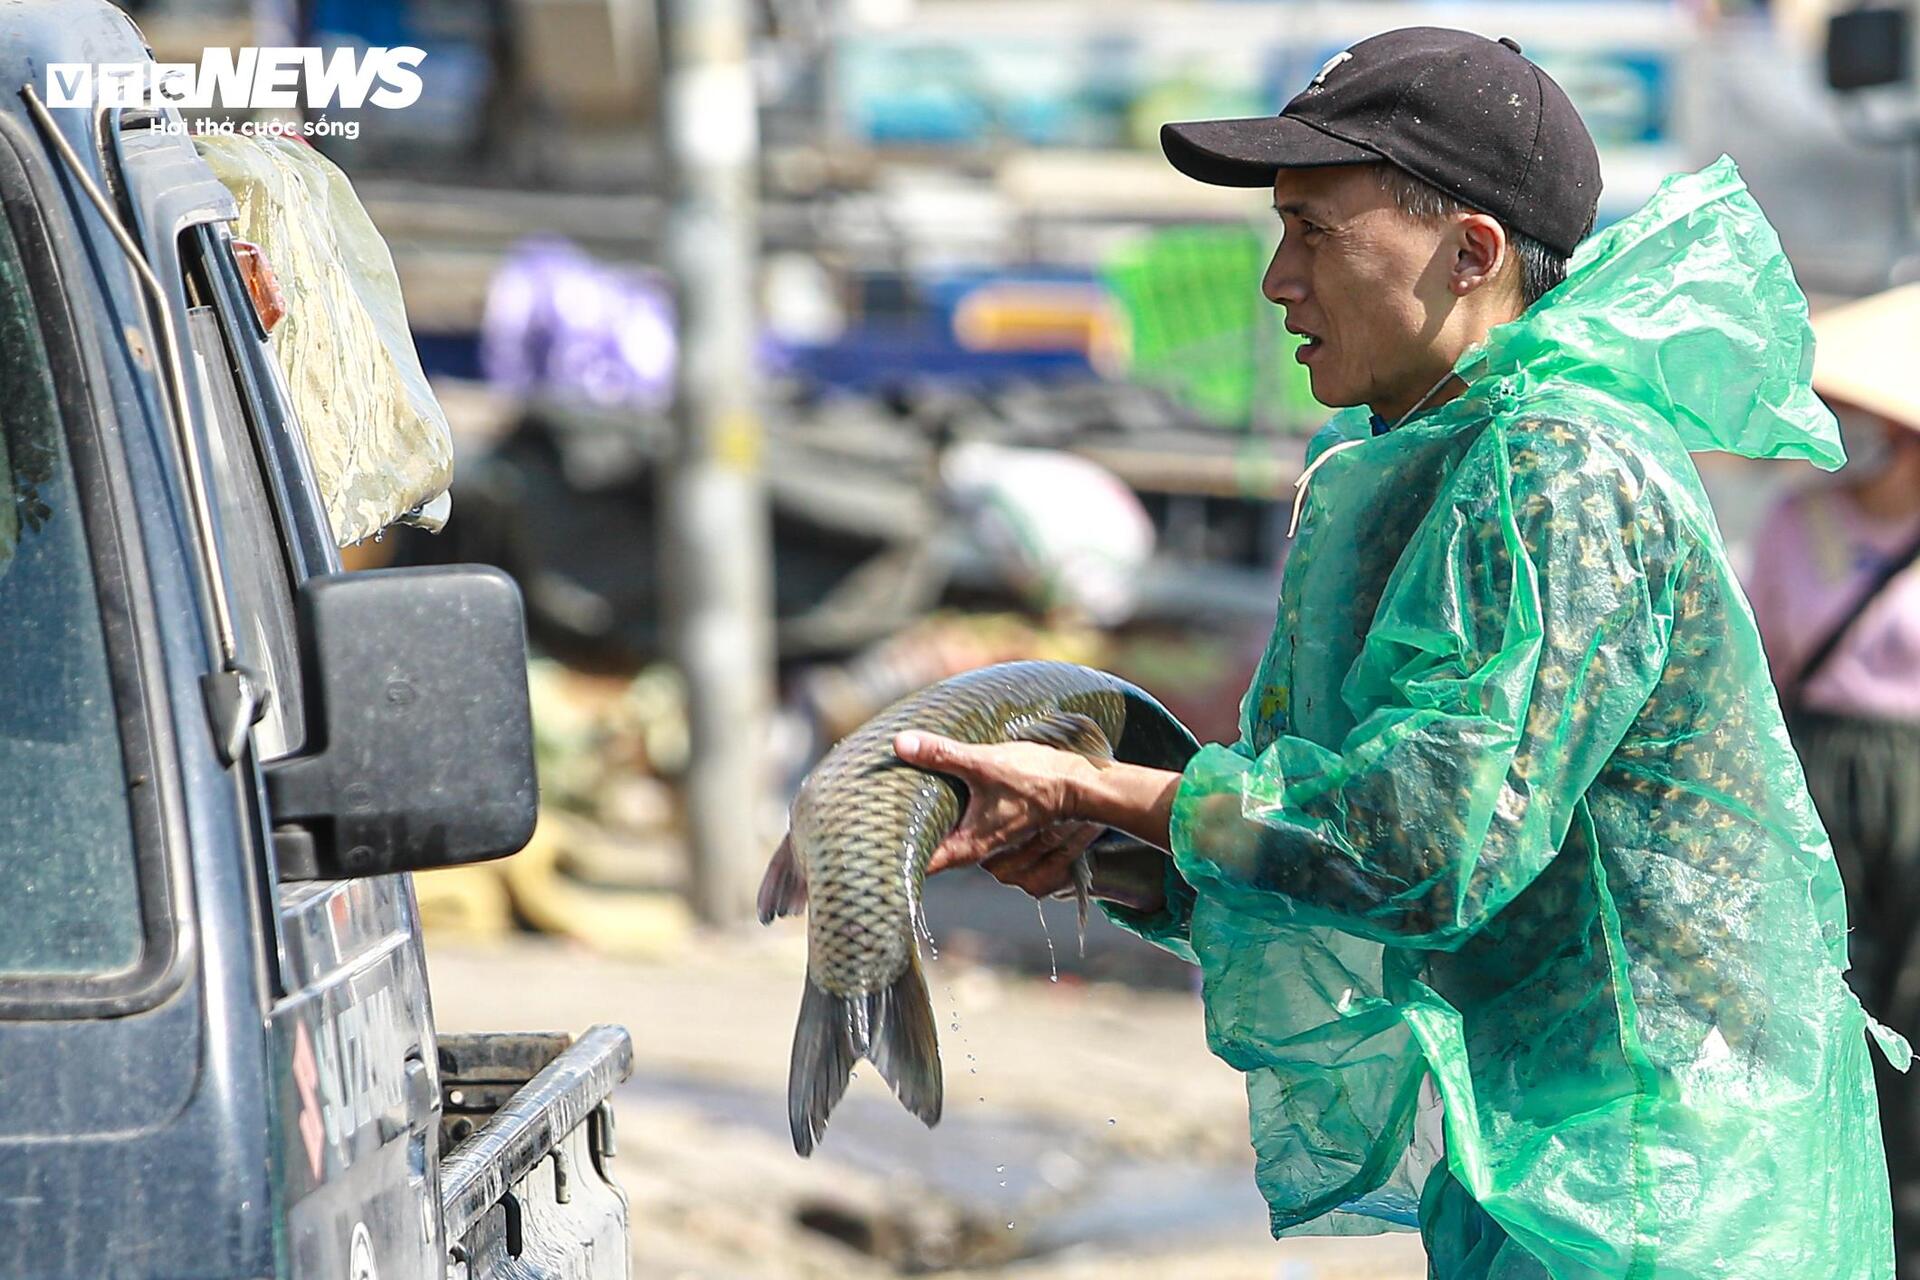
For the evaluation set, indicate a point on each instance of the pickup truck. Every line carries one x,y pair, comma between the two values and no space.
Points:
220,759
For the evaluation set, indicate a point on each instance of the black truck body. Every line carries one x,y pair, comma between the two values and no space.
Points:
217,1049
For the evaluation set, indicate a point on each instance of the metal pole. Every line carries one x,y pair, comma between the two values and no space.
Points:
716,535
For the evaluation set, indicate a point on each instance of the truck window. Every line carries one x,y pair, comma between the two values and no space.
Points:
67,854
257,572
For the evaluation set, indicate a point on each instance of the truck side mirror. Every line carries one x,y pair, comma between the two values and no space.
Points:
420,738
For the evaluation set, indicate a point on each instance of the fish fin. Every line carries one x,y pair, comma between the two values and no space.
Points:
1082,897
823,1058
1126,870
1069,731
783,891
906,1045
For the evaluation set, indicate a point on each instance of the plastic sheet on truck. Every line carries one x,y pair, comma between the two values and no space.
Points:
379,441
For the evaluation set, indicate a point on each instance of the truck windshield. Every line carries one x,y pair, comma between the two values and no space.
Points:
67,858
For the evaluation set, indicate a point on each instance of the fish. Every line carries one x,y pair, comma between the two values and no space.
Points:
861,830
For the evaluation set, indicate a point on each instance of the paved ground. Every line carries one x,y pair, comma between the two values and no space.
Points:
1088,1131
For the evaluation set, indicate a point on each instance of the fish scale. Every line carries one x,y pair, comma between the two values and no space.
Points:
861,832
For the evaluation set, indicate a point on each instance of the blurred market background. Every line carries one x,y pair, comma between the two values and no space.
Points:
802,352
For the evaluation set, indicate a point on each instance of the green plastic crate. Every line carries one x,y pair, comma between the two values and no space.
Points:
1198,327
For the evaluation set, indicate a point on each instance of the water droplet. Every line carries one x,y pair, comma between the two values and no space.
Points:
1053,961
1009,1226
1111,1120
999,1168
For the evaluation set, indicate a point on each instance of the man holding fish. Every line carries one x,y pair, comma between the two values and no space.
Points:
1509,900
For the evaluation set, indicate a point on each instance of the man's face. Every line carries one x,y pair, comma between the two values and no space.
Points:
1368,286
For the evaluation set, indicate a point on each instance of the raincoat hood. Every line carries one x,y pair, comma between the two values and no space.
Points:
1688,308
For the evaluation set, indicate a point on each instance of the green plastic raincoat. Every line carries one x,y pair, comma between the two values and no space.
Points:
1513,844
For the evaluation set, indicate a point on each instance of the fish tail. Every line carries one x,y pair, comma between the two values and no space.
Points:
823,1056
893,1028
906,1046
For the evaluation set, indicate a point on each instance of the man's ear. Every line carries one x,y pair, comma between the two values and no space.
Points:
1481,253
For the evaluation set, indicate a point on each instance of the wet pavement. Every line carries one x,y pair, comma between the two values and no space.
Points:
1121,1141
1053,1184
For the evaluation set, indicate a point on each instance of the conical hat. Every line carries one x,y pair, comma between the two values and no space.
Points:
1867,354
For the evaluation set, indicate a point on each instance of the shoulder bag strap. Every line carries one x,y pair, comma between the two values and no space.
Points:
1896,565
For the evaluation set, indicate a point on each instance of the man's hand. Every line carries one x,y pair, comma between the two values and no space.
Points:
1015,792
1033,809
1043,866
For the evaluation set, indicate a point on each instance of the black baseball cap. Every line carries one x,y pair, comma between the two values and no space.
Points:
1471,116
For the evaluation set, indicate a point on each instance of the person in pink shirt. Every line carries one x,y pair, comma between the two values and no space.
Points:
1835,588
1814,555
